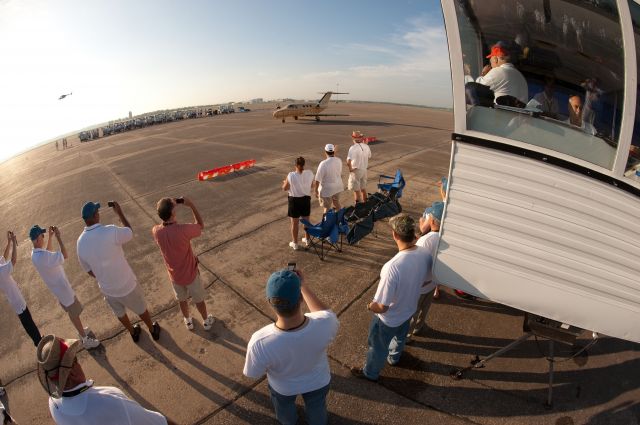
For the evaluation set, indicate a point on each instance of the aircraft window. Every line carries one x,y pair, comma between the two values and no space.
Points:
555,75
633,163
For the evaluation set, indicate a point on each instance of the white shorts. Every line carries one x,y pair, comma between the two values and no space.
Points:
357,180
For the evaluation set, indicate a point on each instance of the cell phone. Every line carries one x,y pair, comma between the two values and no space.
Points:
180,200
291,266
111,204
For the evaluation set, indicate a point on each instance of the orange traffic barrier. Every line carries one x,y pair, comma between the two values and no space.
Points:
221,171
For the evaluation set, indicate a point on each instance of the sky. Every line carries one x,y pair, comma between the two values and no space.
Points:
118,56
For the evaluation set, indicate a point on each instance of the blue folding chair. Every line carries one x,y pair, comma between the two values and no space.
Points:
324,233
343,224
392,188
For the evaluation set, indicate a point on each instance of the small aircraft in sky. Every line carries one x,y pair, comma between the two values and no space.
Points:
64,95
307,109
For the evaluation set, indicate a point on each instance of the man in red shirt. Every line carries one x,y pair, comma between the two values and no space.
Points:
174,240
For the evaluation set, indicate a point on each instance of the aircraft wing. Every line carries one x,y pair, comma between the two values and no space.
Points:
326,115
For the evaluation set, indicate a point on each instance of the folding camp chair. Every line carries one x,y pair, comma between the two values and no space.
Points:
324,233
393,187
343,224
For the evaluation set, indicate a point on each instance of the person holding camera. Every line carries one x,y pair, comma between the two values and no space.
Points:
174,241
293,350
49,265
100,253
11,291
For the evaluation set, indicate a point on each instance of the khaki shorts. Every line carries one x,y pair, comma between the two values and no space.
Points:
195,289
357,180
134,301
74,309
327,202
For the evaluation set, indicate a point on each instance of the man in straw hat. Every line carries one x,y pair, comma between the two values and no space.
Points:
396,299
73,398
358,162
49,265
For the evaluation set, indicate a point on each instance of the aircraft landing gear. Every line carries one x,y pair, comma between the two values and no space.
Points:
282,120
317,118
295,118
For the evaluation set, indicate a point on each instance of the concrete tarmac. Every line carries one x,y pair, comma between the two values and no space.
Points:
195,377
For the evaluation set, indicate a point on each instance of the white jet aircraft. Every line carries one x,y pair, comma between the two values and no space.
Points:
308,109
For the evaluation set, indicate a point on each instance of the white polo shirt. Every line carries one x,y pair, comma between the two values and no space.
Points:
49,265
401,280
10,287
359,154
329,175
295,361
99,250
101,406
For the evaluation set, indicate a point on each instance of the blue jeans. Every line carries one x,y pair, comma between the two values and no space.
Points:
385,343
315,406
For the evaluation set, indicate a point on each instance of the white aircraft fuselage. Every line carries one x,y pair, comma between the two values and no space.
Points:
307,109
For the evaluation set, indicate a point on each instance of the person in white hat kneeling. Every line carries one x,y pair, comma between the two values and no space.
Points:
73,400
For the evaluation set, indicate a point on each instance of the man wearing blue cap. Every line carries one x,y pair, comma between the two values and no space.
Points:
431,218
293,350
49,265
100,254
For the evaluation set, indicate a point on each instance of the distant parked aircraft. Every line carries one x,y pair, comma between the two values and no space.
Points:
308,109
64,95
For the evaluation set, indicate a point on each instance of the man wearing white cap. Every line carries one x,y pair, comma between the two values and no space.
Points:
329,180
358,161
73,400
49,263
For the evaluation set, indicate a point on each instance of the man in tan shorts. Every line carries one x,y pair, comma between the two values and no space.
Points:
328,180
49,265
174,241
358,161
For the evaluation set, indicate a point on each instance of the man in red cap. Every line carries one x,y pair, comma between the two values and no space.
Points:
504,78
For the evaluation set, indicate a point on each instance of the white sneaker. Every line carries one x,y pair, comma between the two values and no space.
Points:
209,321
188,323
294,246
305,242
90,342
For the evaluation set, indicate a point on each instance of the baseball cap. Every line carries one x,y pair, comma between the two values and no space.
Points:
403,224
329,147
498,50
285,285
89,209
35,232
435,210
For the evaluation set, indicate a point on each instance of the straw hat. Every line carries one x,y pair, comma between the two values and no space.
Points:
55,360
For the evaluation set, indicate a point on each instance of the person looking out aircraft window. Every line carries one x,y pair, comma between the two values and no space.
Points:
547,99
508,84
575,115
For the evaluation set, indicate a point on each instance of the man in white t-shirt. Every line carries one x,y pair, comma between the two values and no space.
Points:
293,350
504,78
10,288
73,400
49,265
358,161
396,299
329,180
100,254
430,221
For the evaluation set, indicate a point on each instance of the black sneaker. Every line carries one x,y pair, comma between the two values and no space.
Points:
155,333
136,333
359,373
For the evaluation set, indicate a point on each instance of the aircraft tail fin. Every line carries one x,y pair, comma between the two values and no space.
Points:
324,100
